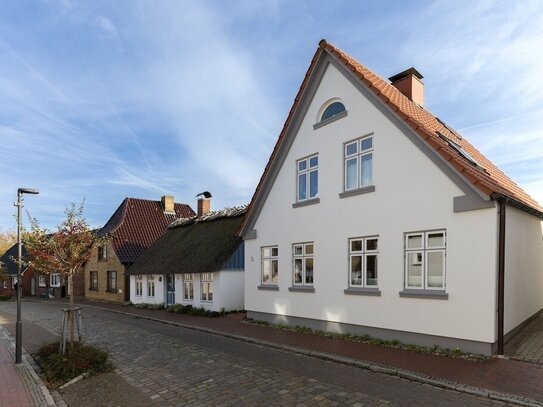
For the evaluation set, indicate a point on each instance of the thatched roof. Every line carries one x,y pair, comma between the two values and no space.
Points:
196,245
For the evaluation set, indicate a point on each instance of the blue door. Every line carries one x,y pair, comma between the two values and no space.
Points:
170,289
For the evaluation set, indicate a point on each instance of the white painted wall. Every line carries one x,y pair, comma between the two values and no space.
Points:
227,291
523,267
412,194
230,290
158,298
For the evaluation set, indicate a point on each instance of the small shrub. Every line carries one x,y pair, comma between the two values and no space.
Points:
5,297
77,360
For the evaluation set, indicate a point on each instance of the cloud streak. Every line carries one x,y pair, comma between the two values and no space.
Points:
132,98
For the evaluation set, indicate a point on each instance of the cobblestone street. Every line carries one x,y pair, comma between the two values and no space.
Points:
528,344
160,364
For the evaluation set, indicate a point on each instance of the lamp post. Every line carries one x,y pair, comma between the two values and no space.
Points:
19,324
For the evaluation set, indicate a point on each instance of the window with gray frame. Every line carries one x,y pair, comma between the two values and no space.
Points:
302,260
307,178
425,254
363,259
270,265
358,157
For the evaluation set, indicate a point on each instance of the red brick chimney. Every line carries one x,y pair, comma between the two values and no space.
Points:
168,203
204,203
409,82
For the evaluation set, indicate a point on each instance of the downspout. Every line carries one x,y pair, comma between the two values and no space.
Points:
502,204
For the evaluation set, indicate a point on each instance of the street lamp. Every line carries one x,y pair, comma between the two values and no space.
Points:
19,324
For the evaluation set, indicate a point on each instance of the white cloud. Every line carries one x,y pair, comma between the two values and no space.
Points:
106,25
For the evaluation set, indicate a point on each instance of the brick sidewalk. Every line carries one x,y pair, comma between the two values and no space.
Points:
21,387
512,377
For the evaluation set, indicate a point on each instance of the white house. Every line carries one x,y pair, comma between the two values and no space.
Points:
375,217
199,261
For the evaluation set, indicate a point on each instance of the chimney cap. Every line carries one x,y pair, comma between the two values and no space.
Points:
404,74
206,194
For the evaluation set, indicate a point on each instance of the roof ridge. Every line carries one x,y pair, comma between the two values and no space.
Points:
226,212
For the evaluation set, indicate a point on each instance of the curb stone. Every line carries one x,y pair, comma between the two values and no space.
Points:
375,367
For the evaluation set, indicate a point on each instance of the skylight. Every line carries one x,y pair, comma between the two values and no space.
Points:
461,151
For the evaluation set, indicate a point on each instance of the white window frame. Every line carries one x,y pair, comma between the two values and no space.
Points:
269,259
54,280
304,255
13,282
363,253
424,250
307,172
188,287
42,282
139,285
5,285
358,157
206,287
150,286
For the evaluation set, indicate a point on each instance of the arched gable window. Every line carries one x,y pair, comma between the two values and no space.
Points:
332,110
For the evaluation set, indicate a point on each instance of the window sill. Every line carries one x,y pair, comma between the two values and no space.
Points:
358,191
363,291
431,294
302,289
330,120
54,286
112,291
307,202
268,287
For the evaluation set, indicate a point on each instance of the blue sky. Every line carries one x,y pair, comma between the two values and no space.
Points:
102,100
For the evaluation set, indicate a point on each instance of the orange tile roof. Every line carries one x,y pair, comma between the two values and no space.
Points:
493,180
488,181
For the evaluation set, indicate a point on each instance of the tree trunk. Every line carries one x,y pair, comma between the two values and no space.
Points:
70,293
71,289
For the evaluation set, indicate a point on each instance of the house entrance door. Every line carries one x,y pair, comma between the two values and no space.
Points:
170,289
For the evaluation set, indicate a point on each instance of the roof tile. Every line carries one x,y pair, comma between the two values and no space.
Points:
137,223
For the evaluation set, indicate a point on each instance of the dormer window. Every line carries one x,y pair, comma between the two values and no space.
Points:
329,112
332,110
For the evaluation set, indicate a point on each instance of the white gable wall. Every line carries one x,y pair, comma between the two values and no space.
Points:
523,267
412,194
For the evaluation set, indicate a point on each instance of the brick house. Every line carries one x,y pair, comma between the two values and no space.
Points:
131,230
9,268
